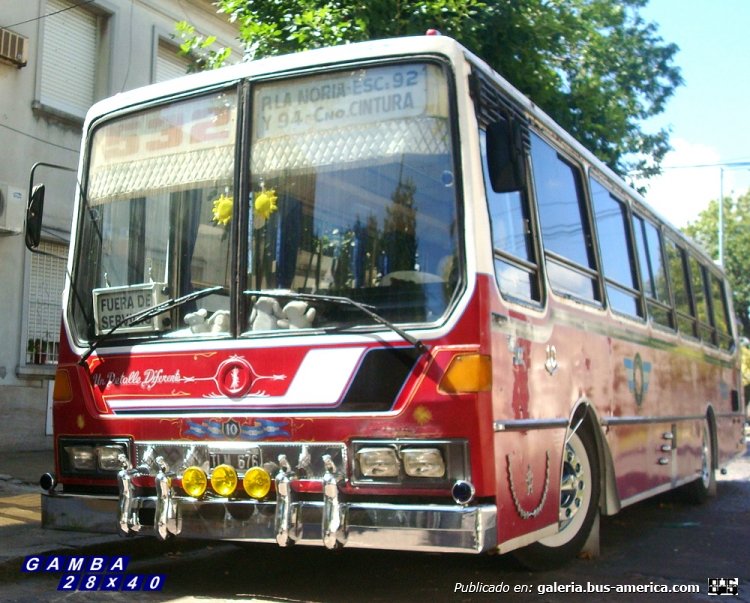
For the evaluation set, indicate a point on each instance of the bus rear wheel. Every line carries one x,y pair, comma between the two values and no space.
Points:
579,499
704,487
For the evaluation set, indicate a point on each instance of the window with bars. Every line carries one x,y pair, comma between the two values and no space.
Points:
43,300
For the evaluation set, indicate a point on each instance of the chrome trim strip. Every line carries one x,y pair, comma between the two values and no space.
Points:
529,424
730,414
633,420
403,527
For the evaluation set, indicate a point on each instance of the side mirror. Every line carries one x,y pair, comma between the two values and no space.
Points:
34,213
504,158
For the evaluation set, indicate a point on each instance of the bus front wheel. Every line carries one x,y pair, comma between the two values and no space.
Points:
579,499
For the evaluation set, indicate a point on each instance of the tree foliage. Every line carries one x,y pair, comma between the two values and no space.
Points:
595,66
705,229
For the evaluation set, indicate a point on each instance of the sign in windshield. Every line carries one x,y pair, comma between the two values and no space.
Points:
114,304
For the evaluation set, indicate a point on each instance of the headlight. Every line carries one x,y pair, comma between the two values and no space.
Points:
434,463
108,457
378,462
423,462
82,458
92,456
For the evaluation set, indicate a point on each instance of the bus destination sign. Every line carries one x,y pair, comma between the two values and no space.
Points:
296,106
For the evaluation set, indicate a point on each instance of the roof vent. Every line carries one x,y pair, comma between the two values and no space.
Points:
14,48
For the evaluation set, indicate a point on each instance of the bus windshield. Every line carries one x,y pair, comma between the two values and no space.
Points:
352,193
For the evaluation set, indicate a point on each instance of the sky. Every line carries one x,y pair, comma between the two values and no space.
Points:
708,116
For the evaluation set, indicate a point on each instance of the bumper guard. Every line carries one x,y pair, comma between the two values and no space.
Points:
329,522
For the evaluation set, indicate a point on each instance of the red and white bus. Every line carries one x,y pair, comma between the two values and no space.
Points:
371,296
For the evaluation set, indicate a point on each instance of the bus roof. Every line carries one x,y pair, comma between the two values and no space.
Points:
363,51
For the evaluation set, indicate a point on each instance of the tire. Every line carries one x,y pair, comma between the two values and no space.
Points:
703,488
579,501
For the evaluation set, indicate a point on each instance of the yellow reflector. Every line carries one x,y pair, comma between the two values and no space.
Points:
62,391
224,480
194,481
256,482
467,373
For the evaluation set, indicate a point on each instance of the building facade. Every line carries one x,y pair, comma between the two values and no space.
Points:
57,57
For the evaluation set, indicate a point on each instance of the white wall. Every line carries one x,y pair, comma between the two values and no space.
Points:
30,133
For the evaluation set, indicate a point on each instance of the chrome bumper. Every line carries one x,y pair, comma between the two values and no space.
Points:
428,528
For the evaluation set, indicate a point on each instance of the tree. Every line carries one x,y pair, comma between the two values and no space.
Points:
705,229
594,65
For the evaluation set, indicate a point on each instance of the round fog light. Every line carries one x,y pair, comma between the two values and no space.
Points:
224,480
256,482
194,482
462,492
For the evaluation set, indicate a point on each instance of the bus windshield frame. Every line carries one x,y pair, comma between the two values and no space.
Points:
349,187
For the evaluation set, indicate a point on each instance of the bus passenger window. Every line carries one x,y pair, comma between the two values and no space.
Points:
677,262
653,273
698,281
565,231
720,312
617,254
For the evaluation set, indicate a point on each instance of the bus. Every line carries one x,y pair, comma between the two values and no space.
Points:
373,297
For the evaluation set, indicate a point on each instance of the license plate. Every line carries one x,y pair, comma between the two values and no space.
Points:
242,461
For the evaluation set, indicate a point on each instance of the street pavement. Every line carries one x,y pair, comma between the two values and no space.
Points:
21,531
693,543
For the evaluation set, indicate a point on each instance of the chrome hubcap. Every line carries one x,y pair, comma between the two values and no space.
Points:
706,458
572,486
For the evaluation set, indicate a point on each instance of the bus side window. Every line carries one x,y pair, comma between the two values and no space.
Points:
700,297
721,312
618,258
566,235
653,271
516,267
678,274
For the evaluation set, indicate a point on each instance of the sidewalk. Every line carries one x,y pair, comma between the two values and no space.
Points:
21,530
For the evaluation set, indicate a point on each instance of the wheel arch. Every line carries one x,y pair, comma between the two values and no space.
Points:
584,416
713,434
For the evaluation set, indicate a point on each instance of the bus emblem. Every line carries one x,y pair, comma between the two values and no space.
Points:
234,377
638,374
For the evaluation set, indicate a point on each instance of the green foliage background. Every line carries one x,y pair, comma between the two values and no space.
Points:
595,66
736,247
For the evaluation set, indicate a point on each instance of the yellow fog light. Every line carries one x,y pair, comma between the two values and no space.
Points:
256,482
224,480
194,481
467,373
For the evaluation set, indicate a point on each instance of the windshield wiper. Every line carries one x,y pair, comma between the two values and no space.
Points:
142,315
344,301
